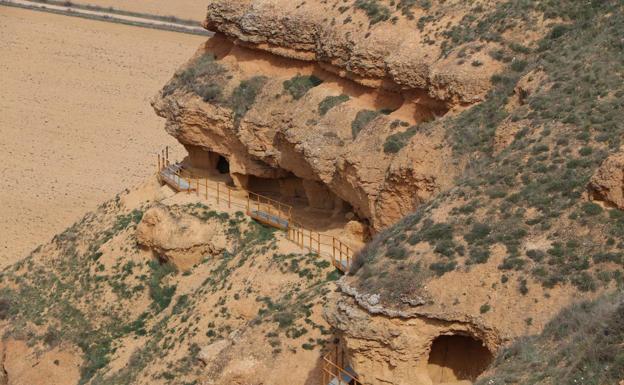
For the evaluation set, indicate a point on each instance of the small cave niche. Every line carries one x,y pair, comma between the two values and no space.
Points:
223,166
455,358
288,189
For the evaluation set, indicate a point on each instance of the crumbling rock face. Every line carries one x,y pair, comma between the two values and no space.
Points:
180,239
607,183
344,43
318,157
401,351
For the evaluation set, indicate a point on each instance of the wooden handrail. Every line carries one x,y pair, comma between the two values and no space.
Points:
334,367
276,213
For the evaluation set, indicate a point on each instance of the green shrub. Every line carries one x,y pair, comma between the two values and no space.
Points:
478,255
244,96
395,142
362,119
437,231
330,102
375,11
591,208
396,252
161,295
300,84
284,318
484,308
441,268
478,232
518,65
204,77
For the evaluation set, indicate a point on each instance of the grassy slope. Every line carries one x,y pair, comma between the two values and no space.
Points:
93,288
584,344
533,188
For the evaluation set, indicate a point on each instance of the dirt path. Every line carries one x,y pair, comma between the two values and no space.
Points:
184,9
76,126
105,16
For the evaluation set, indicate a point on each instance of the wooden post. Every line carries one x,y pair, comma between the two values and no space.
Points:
167,153
247,203
159,163
269,215
318,240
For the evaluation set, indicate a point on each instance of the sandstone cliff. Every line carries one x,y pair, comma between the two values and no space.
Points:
319,97
452,129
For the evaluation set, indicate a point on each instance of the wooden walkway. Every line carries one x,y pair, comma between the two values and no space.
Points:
261,208
335,368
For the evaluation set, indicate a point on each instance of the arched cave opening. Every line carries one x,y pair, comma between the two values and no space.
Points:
223,166
456,358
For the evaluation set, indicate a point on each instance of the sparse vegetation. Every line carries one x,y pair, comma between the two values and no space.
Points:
204,76
362,119
330,102
245,95
570,128
375,11
585,340
300,85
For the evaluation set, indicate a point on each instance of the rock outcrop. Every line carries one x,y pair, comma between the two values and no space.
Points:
607,183
180,239
284,141
344,41
325,101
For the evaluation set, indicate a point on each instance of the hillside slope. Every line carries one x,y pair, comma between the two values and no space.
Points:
534,221
586,340
492,208
104,303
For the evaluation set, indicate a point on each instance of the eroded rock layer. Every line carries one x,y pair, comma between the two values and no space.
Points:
345,40
326,144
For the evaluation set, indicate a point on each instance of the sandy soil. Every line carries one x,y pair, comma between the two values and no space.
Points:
184,9
76,126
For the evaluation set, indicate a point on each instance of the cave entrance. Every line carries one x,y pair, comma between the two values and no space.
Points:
455,358
223,166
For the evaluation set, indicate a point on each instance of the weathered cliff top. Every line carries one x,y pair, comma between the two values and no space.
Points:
397,45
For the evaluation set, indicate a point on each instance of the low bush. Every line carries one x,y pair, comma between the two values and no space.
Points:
244,96
204,77
300,85
375,11
362,119
441,268
160,294
330,102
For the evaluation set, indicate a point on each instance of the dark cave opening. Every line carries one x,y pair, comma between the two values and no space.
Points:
223,166
456,358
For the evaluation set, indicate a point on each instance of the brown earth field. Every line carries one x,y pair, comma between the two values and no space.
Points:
76,125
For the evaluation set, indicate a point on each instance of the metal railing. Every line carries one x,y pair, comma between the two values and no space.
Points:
261,208
335,369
